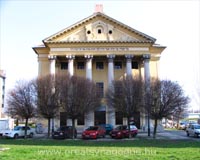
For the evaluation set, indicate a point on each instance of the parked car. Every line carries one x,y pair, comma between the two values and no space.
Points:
19,131
193,129
183,125
122,131
94,132
64,132
108,127
190,123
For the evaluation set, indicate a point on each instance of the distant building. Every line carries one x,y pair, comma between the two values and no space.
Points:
2,92
102,49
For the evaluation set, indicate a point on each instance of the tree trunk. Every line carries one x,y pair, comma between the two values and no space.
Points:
25,131
17,122
155,128
178,120
73,128
49,121
52,129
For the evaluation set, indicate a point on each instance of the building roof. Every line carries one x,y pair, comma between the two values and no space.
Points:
103,16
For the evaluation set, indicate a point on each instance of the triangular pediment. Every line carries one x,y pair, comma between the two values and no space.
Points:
99,27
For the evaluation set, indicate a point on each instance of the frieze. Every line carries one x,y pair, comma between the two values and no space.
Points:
99,49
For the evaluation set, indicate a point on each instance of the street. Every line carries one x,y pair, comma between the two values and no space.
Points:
176,134
166,134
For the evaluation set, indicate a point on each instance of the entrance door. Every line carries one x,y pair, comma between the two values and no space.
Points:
100,117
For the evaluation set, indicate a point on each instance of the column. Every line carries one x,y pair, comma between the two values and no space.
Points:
110,109
89,66
52,59
110,69
52,68
89,117
129,64
146,58
71,73
70,64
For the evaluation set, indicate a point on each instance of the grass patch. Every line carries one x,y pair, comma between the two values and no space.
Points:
139,149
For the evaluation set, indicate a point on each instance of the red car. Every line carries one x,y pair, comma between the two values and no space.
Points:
94,132
122,131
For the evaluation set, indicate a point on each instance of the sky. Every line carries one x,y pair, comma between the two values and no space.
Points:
174,23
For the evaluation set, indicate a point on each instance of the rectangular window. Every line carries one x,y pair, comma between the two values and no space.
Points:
64,65
118,65
80,65
134,65
99,65
119,118
100,89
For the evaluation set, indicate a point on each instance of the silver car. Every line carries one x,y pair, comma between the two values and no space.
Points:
193,129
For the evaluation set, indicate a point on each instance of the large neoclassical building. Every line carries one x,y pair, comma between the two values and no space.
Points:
101,49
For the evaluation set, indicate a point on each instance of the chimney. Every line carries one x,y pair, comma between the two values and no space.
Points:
99,8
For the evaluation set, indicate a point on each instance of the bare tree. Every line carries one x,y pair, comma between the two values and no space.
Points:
78,96
126,96
166,97
48,98
22,101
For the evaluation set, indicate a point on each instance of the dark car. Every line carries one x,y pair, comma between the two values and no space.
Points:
108,127
64,132
122,131
94,132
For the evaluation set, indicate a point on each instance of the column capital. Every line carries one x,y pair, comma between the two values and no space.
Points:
146,56
70,56
110,56
88,56
51,57
129,56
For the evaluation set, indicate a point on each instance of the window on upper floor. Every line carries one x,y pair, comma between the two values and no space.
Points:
110,32
99,31
118,65
64,65
99,65
134,65
80,65
88,32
